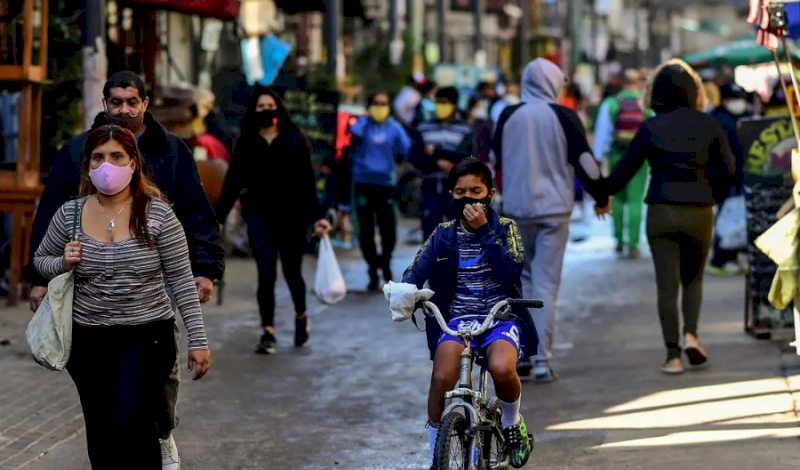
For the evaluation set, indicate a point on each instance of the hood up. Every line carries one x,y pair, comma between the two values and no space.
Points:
542,81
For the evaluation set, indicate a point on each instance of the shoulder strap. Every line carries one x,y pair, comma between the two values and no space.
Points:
75,220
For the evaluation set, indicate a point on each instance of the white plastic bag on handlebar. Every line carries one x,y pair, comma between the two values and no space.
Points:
403,299
328,282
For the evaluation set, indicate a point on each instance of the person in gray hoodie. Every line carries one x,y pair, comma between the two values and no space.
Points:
540,147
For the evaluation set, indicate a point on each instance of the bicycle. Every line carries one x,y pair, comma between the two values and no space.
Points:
470,434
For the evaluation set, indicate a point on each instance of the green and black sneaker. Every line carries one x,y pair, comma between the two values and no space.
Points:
518,443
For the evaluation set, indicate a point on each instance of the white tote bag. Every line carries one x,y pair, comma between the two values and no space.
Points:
49,333
328,282
731,224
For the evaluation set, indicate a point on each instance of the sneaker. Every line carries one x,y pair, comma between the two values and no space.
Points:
543,373
634,253
728,269
518,443
524,367
169,454
267,344
620,249
373,281
302,328
672,366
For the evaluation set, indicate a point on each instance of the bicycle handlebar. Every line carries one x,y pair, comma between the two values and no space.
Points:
525,303
430,309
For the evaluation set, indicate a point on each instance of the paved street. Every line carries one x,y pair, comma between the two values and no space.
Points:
355,399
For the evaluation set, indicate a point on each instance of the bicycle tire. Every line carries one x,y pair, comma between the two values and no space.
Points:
492,451
452,430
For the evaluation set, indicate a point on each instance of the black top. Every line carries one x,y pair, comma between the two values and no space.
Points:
690,159
170,165
728,121
274,180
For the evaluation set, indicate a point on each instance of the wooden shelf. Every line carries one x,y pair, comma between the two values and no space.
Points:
18,73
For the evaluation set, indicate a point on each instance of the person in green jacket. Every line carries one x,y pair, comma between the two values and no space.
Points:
618,121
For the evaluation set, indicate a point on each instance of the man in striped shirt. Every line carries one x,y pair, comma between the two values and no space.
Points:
435,154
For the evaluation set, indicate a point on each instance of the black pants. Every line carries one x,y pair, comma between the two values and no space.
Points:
120,373
267,243
679,238
434,204
374,204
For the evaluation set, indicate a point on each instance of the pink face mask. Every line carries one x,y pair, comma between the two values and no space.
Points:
111,179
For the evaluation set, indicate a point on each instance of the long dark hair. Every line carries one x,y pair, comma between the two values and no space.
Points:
674,84
249,124
142,189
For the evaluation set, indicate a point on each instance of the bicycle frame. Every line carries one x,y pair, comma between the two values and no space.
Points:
472,401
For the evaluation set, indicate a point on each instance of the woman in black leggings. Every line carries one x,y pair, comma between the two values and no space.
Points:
690,161
271,173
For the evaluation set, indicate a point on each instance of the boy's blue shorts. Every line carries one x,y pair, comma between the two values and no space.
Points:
507,330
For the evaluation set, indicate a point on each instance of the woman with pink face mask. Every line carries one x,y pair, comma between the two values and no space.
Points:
128,248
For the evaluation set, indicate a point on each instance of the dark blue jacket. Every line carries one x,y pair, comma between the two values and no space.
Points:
437,262
170,165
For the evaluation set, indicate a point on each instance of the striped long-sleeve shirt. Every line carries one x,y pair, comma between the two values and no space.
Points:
124,283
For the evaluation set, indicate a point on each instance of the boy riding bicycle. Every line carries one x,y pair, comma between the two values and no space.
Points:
472,262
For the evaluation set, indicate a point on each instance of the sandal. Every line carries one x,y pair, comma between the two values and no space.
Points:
696,354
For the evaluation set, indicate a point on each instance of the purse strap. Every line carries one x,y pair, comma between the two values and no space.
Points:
75,220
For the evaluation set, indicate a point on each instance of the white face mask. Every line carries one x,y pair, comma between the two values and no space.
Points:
737,106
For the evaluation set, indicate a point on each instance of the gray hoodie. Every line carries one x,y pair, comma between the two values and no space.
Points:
539,146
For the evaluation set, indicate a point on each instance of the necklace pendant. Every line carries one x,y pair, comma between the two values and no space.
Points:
110,227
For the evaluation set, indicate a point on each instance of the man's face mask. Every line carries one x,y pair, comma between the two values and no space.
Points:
444,110
125,111
736,107
379,112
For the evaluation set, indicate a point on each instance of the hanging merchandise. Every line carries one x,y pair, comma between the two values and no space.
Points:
251,60
273,54
9,125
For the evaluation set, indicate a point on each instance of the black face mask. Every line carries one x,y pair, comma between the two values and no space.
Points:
266,118
456,206
133,124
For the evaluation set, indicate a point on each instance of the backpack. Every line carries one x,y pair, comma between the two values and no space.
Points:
630,117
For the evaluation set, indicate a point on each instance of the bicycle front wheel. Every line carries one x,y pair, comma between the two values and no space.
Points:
452,444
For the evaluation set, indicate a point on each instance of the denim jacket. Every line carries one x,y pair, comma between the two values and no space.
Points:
437,263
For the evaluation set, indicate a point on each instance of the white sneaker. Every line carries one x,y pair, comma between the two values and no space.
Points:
169,454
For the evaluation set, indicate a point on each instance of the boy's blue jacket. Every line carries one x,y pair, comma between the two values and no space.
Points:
437,262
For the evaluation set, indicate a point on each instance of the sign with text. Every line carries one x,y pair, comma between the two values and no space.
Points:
314,112
767,144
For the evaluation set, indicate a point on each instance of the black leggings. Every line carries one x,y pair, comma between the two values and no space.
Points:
267,244
120,373
680,237
374,204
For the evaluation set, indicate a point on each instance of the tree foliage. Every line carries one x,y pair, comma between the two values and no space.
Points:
61,101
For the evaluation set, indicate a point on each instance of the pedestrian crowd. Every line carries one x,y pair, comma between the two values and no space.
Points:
500,174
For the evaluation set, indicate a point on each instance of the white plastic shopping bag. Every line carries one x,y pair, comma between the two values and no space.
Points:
732,225
329,282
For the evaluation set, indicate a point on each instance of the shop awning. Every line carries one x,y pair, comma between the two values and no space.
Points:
744,51
225,10
350,8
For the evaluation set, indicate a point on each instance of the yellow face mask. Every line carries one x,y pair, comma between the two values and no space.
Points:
444,110
379,113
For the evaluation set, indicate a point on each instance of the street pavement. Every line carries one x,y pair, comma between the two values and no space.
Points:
356,398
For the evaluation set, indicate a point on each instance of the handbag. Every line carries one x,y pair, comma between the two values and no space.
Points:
49,333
